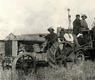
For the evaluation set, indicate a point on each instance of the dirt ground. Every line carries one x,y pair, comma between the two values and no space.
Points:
83,72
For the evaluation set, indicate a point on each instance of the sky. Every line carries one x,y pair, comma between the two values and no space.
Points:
35,16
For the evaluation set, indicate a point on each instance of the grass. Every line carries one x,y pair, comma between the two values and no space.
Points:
85,72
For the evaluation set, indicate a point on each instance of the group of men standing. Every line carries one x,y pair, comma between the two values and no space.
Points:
79,24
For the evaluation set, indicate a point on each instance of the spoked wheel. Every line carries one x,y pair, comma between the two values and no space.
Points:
60,59
58,56
79,58
63,56
24,64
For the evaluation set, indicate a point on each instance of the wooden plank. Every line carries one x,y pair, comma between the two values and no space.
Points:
14,48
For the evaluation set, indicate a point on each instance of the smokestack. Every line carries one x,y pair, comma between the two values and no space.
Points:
69,18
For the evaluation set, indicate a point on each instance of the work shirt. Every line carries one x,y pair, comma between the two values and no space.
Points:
67,37
51,38
84,24
76,26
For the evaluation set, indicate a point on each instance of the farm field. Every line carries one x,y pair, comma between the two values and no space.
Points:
84,72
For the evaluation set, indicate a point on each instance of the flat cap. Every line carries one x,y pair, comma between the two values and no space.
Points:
50,29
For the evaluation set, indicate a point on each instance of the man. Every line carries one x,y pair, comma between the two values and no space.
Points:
50,38
83,22
76,25
66,36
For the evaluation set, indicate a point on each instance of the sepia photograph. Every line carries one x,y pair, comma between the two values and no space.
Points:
47,40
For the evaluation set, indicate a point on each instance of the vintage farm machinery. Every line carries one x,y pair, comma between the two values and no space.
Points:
27,54
59,54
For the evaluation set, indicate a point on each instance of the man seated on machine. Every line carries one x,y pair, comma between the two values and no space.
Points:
68,38
50,39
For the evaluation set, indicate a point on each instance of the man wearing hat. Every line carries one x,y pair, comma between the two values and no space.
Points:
83,22
76,25
50,38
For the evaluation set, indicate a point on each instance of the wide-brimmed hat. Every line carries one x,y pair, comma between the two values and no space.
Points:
50,29
84,16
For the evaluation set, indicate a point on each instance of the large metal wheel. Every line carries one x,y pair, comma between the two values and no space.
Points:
23,64
65,55
60,56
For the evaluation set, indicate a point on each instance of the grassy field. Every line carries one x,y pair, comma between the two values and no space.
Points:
84,72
